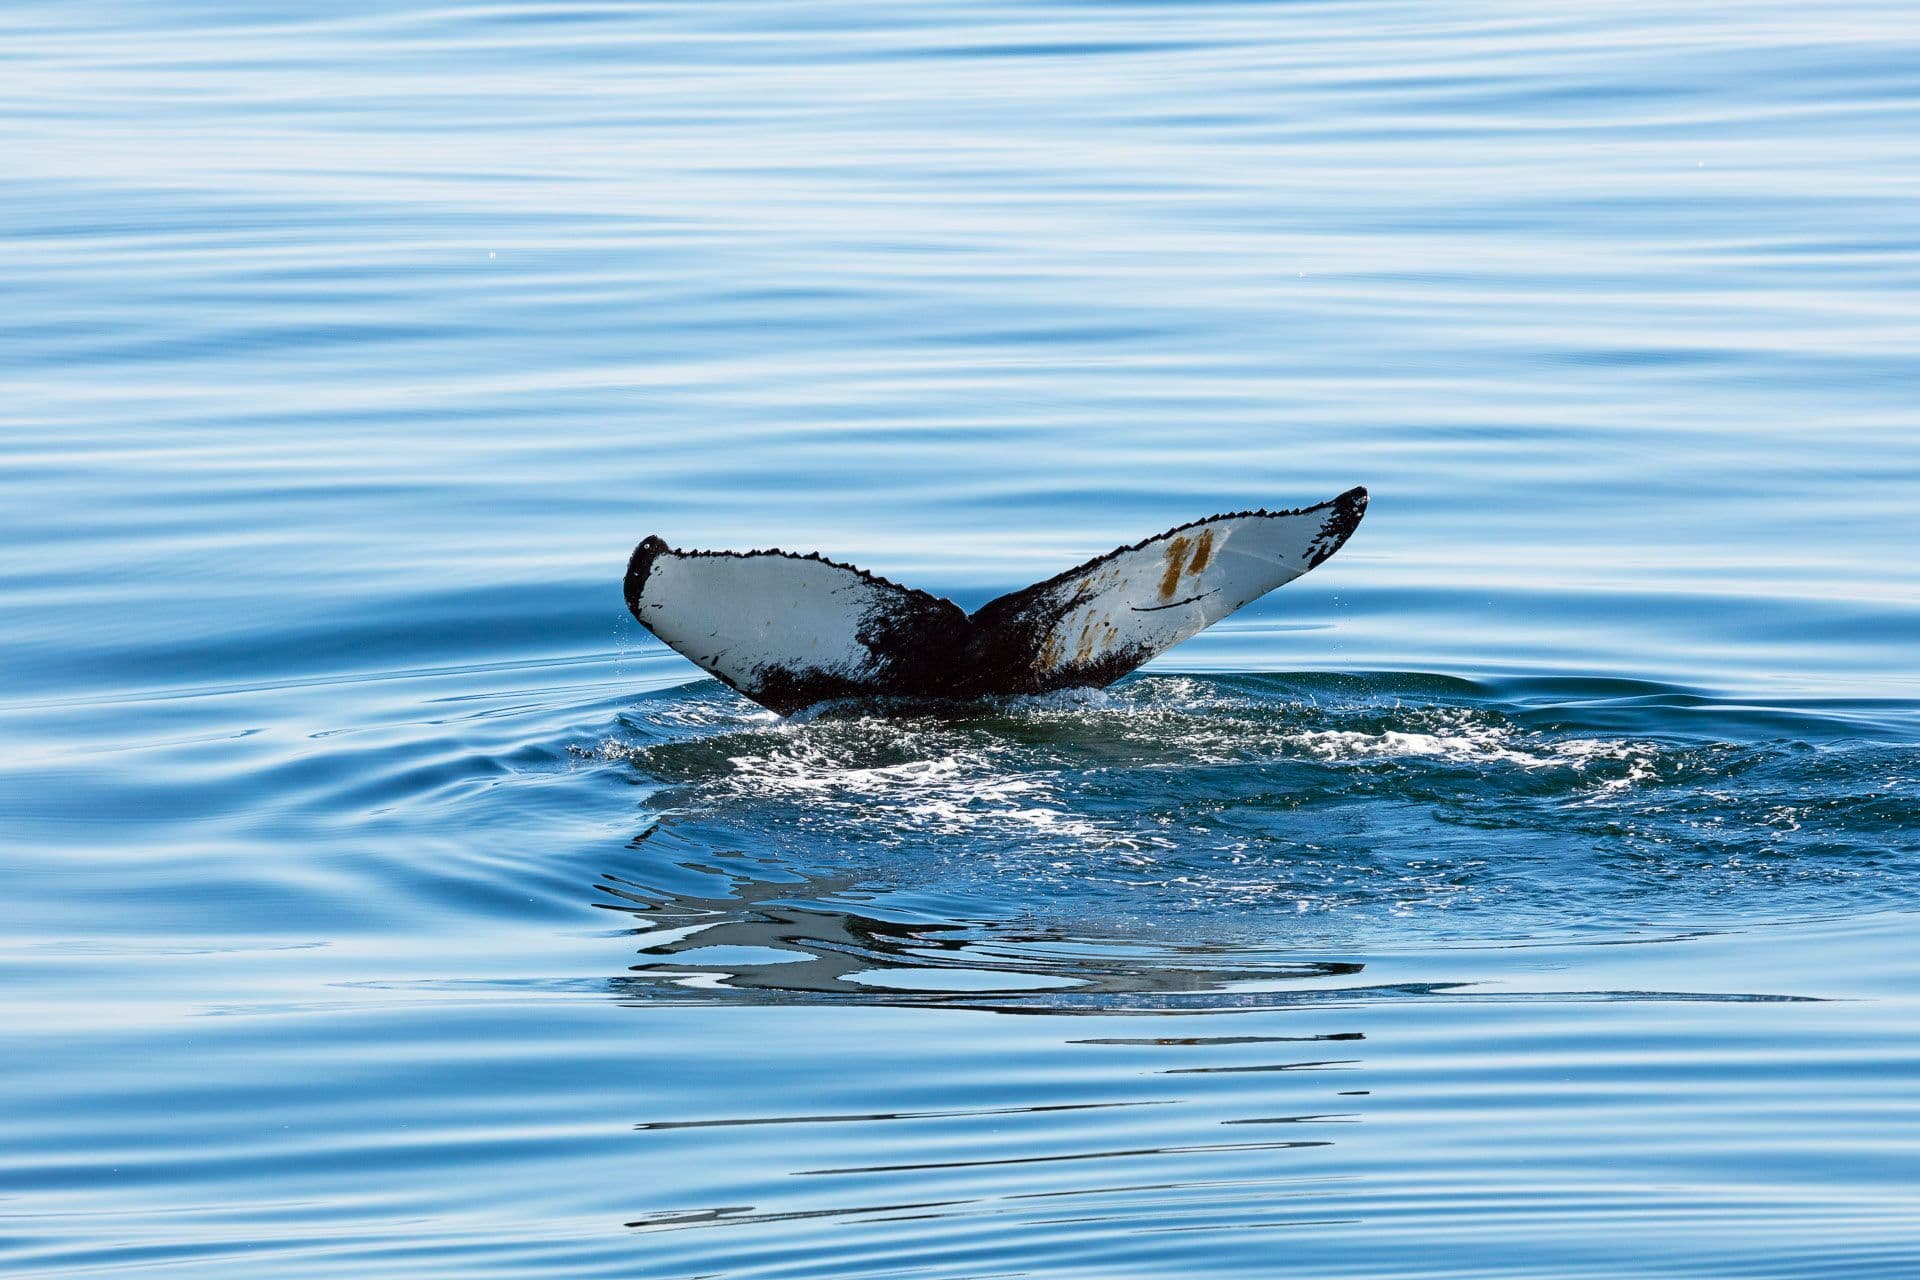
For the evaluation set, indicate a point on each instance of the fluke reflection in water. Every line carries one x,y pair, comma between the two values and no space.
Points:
1192,843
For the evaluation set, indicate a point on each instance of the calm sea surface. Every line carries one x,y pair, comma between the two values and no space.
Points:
1531,891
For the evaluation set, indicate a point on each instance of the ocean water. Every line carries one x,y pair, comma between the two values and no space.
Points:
1533,890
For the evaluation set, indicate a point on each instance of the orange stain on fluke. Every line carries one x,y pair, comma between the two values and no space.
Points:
1049,653
1176,561
1202,552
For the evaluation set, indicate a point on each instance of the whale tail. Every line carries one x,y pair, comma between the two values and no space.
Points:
792,630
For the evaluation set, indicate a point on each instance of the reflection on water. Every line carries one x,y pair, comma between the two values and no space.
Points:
786,941
1003,856
768,939
1580,970
1400,1067
1188,813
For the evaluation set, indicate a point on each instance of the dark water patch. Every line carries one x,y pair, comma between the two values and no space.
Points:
1185,842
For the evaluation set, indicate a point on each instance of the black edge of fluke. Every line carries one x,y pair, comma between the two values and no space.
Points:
659,546
639,565
1348,508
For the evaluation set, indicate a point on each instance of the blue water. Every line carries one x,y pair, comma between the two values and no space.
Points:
1530,891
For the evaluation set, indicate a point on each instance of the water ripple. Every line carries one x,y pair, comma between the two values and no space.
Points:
1529,891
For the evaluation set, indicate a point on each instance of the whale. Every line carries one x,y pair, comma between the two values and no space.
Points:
791,630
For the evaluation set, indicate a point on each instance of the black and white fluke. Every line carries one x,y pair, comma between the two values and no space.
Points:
791,630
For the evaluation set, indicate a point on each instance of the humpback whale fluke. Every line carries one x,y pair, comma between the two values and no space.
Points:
792,630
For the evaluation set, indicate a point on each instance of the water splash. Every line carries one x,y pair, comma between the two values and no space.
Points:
1181,835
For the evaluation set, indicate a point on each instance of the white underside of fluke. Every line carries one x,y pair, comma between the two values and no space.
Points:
790,630
733,615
